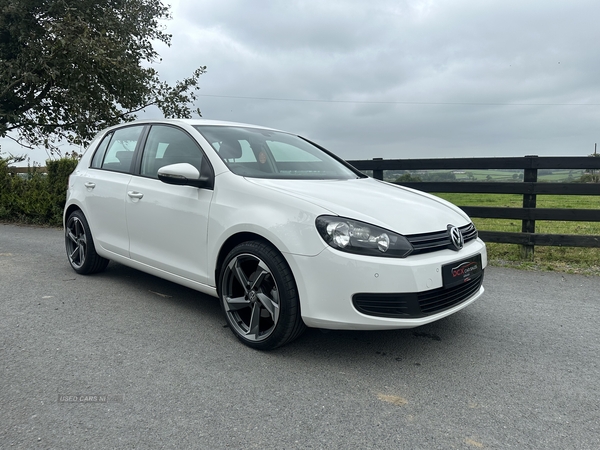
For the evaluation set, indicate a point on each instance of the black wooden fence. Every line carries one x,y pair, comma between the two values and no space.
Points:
529,188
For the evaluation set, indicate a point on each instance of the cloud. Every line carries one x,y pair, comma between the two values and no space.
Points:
463,77
397,78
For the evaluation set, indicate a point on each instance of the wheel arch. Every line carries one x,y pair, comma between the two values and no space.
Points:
236,239
69,210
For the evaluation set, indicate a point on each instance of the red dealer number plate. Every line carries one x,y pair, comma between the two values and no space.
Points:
461,271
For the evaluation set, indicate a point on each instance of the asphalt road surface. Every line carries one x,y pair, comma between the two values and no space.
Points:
126,360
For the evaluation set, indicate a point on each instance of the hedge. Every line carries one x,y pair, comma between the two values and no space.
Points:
35,197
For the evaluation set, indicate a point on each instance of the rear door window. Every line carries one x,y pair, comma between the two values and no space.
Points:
120,151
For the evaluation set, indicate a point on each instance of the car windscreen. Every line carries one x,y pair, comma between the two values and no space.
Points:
258,153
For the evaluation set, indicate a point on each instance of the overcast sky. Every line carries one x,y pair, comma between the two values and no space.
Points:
399,79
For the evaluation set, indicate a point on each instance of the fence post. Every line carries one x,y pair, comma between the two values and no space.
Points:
529,201
378,173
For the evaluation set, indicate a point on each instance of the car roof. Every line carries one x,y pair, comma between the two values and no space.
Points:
193,122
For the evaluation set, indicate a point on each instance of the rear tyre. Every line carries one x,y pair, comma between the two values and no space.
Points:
80,246
259,296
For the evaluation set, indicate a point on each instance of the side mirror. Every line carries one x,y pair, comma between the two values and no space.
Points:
183,174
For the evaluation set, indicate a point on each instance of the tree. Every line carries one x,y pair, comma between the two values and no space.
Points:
591,176
440,176
407,177
69,68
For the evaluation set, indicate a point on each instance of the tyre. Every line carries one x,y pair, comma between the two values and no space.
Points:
259,296
80,246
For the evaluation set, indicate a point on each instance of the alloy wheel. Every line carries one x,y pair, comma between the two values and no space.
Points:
76,242
251,297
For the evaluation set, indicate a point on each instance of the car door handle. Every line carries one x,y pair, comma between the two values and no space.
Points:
90,185
134,194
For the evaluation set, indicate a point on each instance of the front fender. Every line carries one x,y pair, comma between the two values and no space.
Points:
242,207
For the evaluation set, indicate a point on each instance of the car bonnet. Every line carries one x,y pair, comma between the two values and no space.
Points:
396,208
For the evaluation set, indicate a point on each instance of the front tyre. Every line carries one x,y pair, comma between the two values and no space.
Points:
259,296
80,246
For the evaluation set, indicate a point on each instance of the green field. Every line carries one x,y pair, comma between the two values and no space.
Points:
502,175
544,175
566,259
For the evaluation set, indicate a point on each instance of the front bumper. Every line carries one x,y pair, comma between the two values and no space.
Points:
328,283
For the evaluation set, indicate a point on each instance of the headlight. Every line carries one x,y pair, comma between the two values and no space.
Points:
358,237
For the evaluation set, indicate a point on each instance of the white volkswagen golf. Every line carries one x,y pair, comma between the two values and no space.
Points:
285,233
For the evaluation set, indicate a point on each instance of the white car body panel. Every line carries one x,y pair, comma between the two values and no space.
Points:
329,305
168,227
404,211
105,208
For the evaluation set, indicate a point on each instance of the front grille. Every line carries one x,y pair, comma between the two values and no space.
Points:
439,240
416,304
